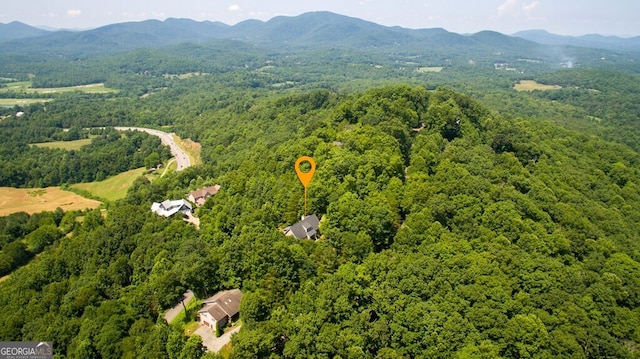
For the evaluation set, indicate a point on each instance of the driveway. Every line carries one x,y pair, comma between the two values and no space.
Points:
212,343
172,313
167,140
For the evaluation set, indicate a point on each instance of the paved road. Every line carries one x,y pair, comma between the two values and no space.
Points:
172,313
167,140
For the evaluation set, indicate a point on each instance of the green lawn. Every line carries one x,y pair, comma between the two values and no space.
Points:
113,188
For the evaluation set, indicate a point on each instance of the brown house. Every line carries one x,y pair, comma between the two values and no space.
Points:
199,196
219,310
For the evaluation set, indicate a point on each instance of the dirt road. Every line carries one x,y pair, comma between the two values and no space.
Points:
167,140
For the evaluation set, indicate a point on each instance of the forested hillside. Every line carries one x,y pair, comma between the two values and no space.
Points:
447,231
459,217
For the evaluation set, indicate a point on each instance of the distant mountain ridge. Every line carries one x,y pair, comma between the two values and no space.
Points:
16,30
313,29
591,41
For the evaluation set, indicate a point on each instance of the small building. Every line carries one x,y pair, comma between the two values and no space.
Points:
19,114
306,228
219,310
199,196
168,208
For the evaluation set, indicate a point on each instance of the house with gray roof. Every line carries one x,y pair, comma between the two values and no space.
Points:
219,310
306,228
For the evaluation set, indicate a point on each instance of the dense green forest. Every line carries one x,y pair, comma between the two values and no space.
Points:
459,217
475,236
108,154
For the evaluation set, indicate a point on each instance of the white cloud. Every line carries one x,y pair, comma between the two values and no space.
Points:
530,7
517,8
234,7
74,12
507,7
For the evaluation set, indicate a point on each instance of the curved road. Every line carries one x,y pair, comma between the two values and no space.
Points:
167,140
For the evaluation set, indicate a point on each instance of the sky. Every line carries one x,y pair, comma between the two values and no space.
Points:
563,17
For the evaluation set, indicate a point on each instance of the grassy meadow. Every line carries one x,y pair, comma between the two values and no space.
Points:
10,102
429,69
35,200
113,188
530,85
65,145
25,87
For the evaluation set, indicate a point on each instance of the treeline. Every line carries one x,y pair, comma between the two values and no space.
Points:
110,153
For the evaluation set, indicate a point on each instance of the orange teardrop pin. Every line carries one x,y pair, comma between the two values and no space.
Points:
305,177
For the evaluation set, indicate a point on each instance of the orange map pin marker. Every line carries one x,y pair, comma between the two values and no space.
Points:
305,177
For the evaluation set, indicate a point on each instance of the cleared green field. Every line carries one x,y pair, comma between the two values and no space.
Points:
25,86
65,145
22,101
112,188
429,69
186,75
530,85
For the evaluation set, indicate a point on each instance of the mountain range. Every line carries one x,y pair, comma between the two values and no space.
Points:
592,41
314,29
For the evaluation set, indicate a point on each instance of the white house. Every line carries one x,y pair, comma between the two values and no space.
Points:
168,208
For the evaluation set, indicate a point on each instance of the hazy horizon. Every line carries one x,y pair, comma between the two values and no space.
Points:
571,17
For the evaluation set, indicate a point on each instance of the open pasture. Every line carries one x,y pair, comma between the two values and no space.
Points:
65,145
113,188
35,200
530,85
10,102
429,69
25,87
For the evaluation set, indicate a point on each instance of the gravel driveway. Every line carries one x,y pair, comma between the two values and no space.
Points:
212,343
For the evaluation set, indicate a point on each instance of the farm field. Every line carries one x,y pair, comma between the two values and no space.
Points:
65,145
25,86
530,85
10,102
429,69
113,188
35,200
